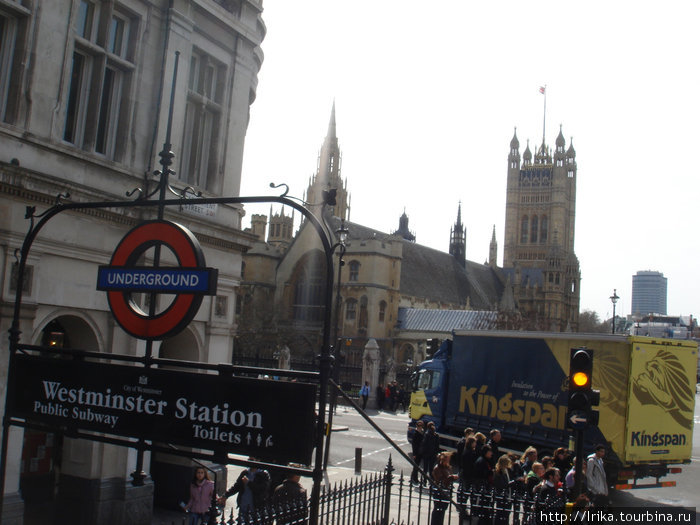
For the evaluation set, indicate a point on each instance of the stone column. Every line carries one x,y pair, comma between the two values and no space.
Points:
370,370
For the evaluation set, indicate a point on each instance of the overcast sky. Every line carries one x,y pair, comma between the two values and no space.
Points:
428,95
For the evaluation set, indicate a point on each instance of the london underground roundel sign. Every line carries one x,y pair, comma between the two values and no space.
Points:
189,281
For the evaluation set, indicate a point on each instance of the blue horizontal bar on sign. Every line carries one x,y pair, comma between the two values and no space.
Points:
162,280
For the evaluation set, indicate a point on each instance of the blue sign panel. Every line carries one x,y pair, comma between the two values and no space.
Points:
157,280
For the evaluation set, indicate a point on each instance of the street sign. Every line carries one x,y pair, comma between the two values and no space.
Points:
578,419
267,419
189,281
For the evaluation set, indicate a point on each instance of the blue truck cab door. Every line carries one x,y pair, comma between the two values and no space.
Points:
430,391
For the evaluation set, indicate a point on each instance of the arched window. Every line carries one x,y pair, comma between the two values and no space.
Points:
543,229
382,311
354,271
533,229
524,228
363,313
350,309
309,286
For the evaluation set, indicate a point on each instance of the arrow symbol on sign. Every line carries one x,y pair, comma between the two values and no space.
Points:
577,419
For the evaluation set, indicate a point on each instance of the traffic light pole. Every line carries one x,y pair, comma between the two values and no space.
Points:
578,464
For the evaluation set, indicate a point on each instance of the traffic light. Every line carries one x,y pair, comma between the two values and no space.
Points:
582,397
432,346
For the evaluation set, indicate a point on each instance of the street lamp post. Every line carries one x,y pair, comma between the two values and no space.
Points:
614,298
342,234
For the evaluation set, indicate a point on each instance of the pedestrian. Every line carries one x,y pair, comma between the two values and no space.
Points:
430,447
562,460
443,477
502,483
364,394
547,462
466,466
548,494
596,480
290,501
393,395
495,438
380,397
534,477
416,441
460,445
570,480
501,473
480,442
483,471
252,487
516,473
402,397
483,481
579,509
201,492
528,459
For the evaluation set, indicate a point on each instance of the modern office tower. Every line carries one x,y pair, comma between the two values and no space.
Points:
649,293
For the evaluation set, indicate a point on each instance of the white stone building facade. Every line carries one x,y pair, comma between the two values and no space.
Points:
85,87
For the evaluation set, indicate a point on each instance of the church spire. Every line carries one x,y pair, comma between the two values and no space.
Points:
328,173
331,123
458,239
493,249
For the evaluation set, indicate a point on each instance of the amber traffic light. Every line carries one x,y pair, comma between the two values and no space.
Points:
582,398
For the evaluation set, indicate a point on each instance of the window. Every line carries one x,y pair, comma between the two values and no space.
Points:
363,313
202,121
354,271
382,311
101,70
109,108
428,379
308,298
543,229
533,229
118,36
350,310
12,29
77,96
524,228
84,25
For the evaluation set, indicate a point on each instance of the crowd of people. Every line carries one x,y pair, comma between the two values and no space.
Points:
254,490
392,396
478,464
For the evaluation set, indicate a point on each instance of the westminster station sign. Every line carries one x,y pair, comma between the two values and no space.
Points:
236,414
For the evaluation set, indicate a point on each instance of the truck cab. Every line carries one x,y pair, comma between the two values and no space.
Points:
429,385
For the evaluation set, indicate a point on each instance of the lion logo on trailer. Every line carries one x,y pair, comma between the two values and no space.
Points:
664,382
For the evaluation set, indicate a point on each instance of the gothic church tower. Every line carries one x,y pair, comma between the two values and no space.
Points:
327,174
539,231
281,228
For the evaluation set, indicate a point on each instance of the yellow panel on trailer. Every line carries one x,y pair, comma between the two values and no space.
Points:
661,400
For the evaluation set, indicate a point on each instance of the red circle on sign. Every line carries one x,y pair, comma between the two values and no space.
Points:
183,309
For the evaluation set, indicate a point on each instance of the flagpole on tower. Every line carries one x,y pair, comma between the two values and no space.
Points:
543,90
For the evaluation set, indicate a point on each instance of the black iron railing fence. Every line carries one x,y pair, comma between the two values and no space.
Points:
388,499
